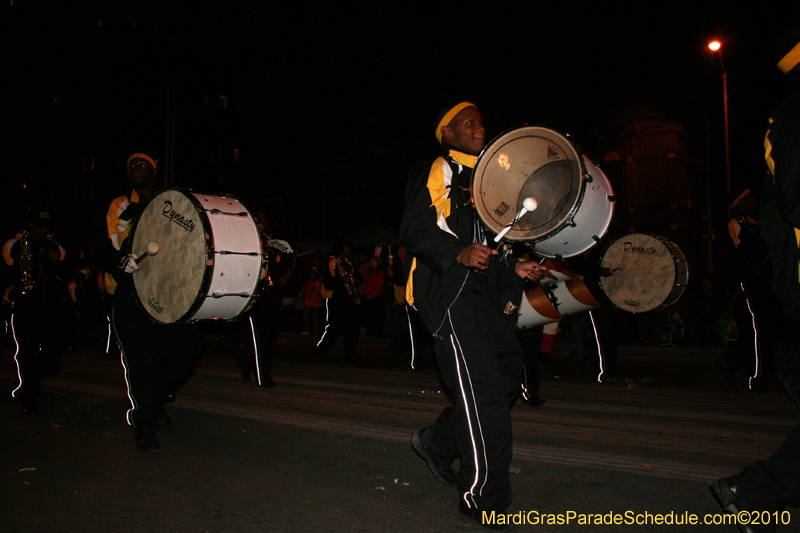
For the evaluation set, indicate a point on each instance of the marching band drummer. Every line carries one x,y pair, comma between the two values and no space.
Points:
467,296
157,358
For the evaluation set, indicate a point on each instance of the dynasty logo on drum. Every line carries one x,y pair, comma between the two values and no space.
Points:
153,304
177,218
631,249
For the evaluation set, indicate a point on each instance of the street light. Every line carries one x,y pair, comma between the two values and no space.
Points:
716,46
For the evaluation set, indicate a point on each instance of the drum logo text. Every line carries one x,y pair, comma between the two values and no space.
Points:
631,249
633,303
154,305
177,218
502,209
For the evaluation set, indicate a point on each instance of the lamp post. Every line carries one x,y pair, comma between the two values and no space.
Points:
716,46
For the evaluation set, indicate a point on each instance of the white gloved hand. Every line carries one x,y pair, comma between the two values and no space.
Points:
128,264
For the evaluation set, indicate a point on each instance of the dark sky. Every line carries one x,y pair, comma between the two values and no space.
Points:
316,95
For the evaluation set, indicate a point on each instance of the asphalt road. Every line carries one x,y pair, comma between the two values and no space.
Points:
328,448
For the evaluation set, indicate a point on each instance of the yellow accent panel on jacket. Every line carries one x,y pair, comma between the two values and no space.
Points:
437,187
118,230
410,283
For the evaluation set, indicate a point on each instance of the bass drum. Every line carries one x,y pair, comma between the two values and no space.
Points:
209,263
648,273
575,199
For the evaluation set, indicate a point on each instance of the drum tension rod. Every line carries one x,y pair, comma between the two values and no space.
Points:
224,252
216,211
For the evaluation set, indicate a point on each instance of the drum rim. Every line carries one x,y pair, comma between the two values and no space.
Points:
208,273
575,205
681,286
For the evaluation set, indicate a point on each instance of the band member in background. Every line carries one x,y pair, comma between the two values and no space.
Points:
42,316
745,275
341,297
264,318
157,358
769,486
467,295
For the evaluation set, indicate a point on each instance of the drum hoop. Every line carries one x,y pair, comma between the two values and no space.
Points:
578,199
208,273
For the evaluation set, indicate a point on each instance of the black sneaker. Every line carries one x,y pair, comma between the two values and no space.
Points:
483,518
534,402
438,467
792,386
725,491
163,421
724,374
146,440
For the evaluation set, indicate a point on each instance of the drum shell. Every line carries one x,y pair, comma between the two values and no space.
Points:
573,297
217,273
550,302
237,258
590,221
536,309
649,281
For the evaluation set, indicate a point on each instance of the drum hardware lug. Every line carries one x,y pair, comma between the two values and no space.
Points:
611,198
596,239
572,224
589,178
559,257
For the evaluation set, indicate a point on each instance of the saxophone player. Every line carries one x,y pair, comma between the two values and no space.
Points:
341,296
41,318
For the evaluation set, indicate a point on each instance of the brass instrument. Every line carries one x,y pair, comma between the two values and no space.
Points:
347,281
26,264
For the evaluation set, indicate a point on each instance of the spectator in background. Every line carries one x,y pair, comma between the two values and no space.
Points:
373,292
312,296
287,290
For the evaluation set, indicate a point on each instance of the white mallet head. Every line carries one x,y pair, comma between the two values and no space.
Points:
528,205
152,248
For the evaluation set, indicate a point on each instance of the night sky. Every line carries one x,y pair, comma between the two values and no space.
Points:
329,106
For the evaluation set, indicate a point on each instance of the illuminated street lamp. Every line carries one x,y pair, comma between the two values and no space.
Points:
716,46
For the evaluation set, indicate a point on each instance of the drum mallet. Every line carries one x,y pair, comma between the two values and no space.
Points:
152,249
528,205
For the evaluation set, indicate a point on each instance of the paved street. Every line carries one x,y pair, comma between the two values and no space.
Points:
328,448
